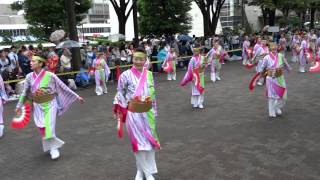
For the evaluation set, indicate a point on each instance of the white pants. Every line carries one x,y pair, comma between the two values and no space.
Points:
215,75
101,89
275,105
302,68
294,59
52,143
261,80
245,61
171,76
146,162
197,100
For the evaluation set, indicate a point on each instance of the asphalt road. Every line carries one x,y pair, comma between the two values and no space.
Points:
231,139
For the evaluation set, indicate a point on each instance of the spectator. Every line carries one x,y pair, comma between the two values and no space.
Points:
83,54
5,67
24,61
65,61
153,58
5,70
14,63
90,56
129,52
161,57
53,60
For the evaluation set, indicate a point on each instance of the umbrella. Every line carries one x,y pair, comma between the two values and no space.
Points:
68,44
116,37
265,28
57,35
184,37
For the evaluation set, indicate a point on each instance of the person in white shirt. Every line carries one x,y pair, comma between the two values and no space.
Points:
65,60
13,58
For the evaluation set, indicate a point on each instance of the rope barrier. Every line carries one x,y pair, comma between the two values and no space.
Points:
115,67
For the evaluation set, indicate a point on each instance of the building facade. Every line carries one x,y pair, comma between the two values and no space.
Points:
232,14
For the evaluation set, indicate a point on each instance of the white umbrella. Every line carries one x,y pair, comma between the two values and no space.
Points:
57,35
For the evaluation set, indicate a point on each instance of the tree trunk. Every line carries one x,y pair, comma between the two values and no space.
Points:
264,16
135,23
303,17
272,17
214,25
122,24
206,21
285,14
73,35
312,15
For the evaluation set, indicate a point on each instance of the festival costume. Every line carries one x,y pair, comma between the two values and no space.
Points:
273,66
283,45
258,59
216,55
304,50
102,72
169,66
316,65
3,98
294,49
195,74
136,92
246,52
45,110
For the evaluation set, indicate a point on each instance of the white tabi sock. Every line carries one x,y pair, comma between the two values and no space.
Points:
1,130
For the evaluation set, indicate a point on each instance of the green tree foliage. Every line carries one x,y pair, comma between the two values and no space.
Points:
300,7
6,37
45,16
164,17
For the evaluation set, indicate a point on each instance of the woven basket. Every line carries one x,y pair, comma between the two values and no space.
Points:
201,69
43,98
139,106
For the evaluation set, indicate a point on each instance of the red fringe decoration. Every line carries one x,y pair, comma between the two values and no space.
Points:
315,68
118,72
253,81
249,66
167,68
21,122
117,109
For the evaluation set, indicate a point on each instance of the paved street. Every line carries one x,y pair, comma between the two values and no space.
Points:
231,139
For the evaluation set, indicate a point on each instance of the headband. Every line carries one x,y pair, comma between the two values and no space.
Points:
196,49
139,55
38,58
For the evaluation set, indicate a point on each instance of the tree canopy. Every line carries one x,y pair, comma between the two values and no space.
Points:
164,17
300,7
45,16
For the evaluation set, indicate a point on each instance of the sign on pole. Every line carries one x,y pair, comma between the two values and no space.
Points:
273,29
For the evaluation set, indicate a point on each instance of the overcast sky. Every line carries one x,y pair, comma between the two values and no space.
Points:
7,1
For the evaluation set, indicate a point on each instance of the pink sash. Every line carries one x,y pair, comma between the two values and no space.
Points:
38,78
275,60
142,78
